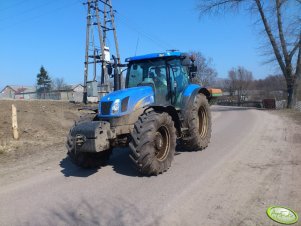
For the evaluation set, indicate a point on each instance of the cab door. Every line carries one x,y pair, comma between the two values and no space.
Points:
158,73
179,81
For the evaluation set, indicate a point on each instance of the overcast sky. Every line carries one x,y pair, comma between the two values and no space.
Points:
52,33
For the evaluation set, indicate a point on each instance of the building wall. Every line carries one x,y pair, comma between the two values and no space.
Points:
26,96
8,93
79,89
77,96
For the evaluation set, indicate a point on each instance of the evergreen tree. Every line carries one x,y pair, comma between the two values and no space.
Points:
43,82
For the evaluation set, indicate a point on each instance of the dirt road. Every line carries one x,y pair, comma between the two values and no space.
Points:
253,162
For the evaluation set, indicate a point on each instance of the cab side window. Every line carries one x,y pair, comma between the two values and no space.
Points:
159,76
179,80
135,76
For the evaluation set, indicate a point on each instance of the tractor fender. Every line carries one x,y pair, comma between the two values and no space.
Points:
190,93
171,110
188,98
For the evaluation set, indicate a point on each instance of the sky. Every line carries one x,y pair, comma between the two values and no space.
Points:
52,33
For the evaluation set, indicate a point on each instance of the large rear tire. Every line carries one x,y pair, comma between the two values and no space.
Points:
198,119
153,142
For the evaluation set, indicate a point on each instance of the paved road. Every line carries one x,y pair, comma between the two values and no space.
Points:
251,163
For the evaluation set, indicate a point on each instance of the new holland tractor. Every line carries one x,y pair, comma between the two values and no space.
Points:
158,109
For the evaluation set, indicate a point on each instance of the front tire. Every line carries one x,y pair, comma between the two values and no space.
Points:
90,160
153,142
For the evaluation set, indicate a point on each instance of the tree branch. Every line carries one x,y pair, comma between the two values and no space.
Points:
298,66
216,5
293,51
271,37
280,30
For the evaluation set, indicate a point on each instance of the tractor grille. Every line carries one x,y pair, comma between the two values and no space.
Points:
106,107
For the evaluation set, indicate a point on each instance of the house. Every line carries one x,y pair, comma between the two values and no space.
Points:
74,93
18,92
69,93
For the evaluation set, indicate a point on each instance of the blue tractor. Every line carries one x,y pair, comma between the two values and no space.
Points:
158,109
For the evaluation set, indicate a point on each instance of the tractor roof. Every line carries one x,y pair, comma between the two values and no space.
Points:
155,55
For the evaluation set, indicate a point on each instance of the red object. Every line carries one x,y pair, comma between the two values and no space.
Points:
269,103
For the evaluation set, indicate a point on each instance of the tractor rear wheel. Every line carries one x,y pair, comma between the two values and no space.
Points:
153,142
198,119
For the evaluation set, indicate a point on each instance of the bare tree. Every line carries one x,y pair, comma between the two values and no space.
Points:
284,37
59,84
240,82
206,74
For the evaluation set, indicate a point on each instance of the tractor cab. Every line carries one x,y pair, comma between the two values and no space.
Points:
167,73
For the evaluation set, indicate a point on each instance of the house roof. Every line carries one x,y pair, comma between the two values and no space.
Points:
74,86
20,89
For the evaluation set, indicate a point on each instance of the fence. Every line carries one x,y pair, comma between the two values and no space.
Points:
281,104
53,95
298,106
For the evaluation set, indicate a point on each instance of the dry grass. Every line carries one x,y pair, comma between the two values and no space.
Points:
3,149
5,146
289,113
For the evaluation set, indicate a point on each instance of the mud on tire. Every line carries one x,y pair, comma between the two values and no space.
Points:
153,142
198,119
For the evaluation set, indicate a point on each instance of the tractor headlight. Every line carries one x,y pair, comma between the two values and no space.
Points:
116,106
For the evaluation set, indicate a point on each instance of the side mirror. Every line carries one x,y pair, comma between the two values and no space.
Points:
110,69
193,70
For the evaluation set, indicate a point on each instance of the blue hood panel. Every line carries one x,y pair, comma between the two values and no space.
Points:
138,97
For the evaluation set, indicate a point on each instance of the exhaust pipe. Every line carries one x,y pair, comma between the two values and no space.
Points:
117,77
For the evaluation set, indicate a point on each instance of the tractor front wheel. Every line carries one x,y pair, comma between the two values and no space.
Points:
153,142
90,160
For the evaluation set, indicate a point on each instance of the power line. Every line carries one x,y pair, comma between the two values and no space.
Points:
12,25
13,5
125,20
158,43
28,10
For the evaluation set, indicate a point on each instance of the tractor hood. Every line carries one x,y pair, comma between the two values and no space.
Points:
125,101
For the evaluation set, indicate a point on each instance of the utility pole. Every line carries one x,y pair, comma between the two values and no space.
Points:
86,70
116,42
100,18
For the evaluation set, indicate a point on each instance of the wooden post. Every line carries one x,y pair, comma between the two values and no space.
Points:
15,122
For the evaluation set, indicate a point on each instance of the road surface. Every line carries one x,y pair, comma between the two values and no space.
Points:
252,162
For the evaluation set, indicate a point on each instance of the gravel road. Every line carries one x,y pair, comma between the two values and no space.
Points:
252,162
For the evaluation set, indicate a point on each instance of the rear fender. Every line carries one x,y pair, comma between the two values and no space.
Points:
187,100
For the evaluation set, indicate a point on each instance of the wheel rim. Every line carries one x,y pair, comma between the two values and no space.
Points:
203,122
162,143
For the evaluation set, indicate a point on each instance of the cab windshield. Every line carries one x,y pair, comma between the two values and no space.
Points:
139,72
